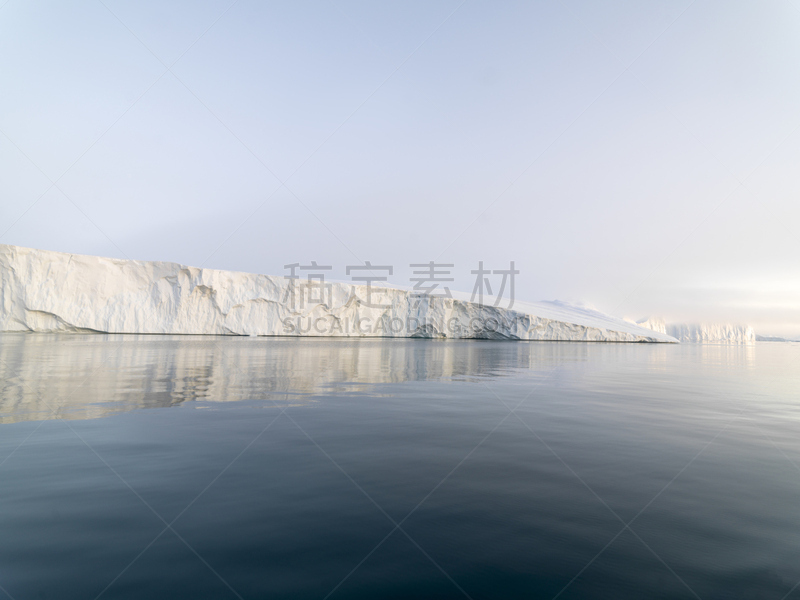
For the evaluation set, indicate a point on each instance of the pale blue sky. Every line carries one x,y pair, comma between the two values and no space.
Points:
639,156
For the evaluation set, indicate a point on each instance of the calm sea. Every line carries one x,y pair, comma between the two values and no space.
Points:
224,467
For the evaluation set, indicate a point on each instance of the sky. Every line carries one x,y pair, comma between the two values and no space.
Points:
641,158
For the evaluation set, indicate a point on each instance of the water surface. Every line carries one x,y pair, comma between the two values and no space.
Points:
314,468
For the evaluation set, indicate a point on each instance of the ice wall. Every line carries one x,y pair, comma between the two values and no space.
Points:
51,291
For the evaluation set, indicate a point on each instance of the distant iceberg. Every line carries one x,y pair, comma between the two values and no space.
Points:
772,338
702,333
713,333
46,291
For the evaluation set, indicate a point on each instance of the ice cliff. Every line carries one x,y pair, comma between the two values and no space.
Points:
712,333
51,291
702,333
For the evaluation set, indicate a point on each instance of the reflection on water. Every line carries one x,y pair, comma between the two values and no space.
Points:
88,376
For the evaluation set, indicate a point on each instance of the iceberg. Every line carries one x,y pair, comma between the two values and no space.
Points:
772,338
656,324
45,291
712,333
702,333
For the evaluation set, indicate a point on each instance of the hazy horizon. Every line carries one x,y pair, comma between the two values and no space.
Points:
636,158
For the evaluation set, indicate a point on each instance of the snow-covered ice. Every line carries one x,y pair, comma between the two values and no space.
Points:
702,333
712,333
52,291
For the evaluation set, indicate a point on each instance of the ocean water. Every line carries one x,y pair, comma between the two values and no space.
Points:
196,467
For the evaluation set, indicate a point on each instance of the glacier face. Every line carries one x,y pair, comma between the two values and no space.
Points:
702,333
52,291
712,333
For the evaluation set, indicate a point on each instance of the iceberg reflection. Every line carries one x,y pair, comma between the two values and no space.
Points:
85,376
